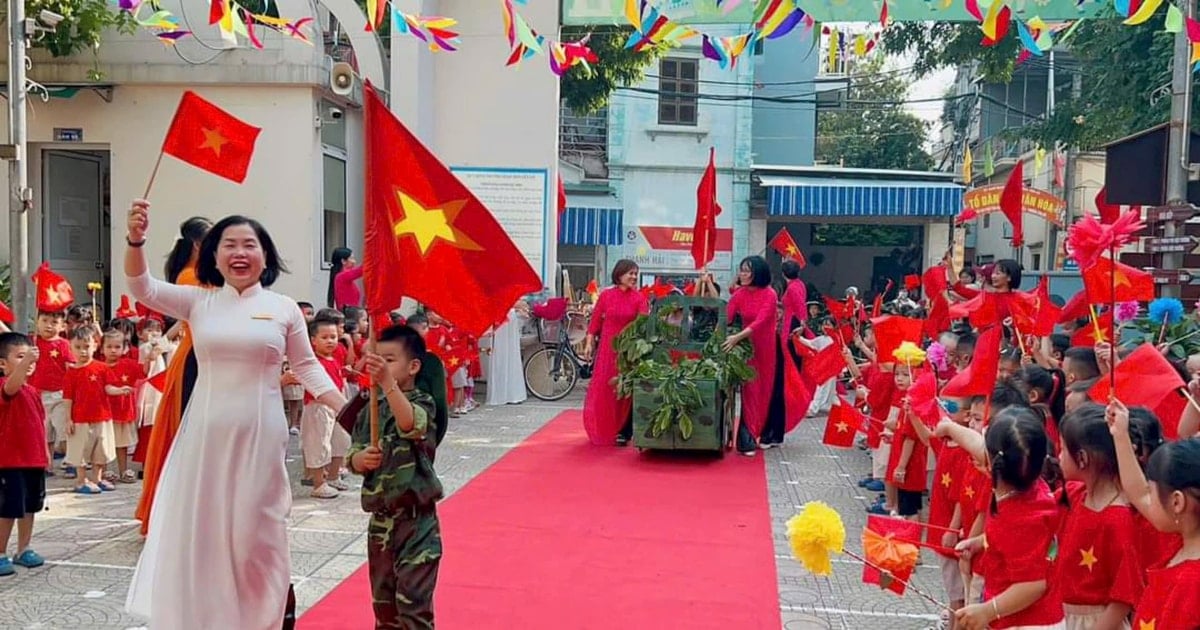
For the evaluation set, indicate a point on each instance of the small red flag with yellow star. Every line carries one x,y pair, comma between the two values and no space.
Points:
210,138
842,425
429,238
787,247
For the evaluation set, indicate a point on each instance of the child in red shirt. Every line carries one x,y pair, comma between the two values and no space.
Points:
323,441
1168,495
122,378
90,433
1097,569
908,456
945,513
23,453
55,357
1017,545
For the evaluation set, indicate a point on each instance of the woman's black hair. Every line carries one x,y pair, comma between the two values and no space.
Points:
191,234
1050,384
760,271
1012,269
790,269
336,262
206,265
970,272
1017,449
1145,432
1086,429
1176,468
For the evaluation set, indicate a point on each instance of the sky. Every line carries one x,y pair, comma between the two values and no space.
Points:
932,86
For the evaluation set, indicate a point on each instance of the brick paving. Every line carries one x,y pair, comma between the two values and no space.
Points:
91,544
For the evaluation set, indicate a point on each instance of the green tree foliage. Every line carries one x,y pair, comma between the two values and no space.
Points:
587,92
872,135
1122,69
83,26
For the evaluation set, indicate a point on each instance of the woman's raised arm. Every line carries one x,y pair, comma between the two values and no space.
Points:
165,297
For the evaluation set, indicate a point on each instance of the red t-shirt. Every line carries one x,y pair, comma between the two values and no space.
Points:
54,359
1155,547
1097,554
915,470
947,484
1018,540
1171,600
974,498
84,387
123,373
22,429
881,387
334,369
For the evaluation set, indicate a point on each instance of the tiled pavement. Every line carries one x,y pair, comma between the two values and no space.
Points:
91,544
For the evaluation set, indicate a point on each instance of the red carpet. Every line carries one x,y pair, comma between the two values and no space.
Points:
559,535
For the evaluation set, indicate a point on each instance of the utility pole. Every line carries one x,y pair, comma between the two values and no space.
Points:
20,196
1178,162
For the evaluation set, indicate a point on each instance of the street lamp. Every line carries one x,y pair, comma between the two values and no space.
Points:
21,31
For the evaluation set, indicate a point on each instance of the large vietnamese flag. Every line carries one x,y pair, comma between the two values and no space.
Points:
704,232
429,238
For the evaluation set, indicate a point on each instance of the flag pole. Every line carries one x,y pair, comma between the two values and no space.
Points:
153,174
374,406
1112,326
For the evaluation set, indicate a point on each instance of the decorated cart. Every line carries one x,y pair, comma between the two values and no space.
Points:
682,382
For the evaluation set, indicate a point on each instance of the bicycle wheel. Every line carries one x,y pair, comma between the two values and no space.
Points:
549,375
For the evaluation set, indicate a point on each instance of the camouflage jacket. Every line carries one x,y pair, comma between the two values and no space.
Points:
406,479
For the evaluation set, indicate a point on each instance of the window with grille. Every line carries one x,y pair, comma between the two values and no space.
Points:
677,91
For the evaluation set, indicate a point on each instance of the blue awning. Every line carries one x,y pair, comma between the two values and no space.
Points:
592,226
825,197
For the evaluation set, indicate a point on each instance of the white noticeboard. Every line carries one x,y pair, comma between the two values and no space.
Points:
519,199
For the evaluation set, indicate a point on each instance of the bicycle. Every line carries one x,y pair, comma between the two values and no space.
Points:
552,372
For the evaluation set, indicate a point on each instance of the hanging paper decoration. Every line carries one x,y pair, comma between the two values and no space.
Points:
163,24
526,42
776,19
1144,12
1174,19
651,28
834,47
725,50
433,30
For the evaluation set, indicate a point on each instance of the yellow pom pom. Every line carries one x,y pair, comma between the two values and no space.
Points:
814,534
909,354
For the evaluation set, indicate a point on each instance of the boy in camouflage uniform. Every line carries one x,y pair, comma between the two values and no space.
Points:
400,487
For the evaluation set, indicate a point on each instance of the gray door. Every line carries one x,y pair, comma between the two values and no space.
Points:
74,230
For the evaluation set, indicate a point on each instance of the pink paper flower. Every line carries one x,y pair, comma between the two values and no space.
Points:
1126,312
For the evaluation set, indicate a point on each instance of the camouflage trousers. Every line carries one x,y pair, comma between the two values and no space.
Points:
403,553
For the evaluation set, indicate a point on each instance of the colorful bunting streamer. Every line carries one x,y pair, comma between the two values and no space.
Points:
525,42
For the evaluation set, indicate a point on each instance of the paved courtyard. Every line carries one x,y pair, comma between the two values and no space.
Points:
91,544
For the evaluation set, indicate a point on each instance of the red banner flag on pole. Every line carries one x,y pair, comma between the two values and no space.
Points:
429,238
210,138
1010,203
704,232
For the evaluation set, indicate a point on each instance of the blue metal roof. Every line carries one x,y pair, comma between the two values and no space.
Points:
844,197
592,226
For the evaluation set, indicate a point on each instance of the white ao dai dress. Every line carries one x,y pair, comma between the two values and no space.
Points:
216,556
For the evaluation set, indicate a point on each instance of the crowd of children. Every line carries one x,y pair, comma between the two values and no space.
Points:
1047,509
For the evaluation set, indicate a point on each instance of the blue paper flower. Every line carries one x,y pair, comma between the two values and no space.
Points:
1168,310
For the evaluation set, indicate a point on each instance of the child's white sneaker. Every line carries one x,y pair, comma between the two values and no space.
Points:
326,491
338,484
